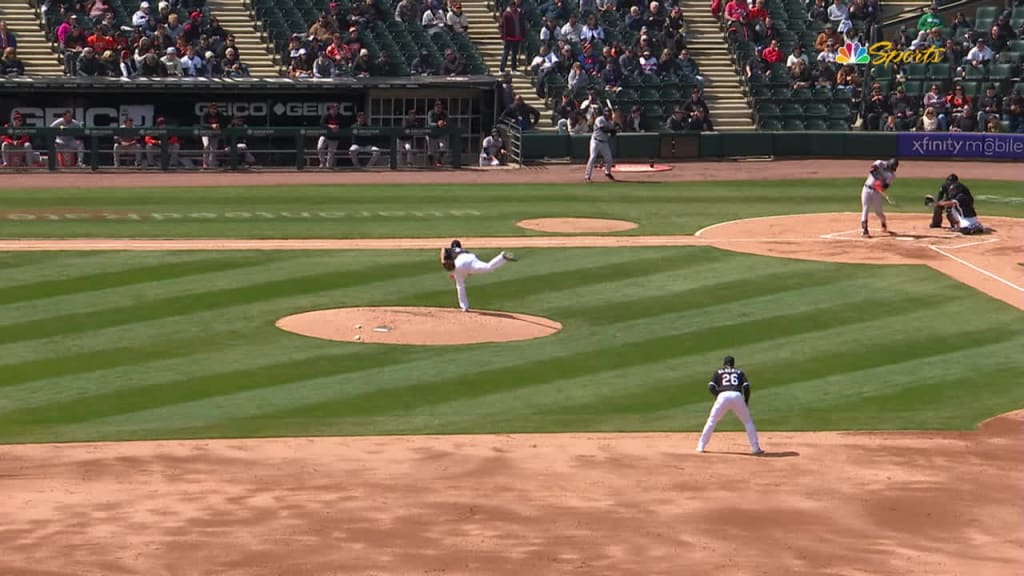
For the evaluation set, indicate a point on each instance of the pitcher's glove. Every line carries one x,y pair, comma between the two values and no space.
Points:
713,389
929,200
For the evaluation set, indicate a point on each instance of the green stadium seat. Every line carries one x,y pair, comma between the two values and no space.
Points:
1015,46
760,93
770,124
650,95
972,89
792,125
917,72
973,73
1019,87
801,95
838,125
984,13
815,124
914,88
939,72
822,94
1001,72
815,111
1011,58
842,94
839,112
766,110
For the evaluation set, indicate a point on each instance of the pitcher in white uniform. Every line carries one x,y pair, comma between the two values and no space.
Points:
461,263
604,129
882,175
731,389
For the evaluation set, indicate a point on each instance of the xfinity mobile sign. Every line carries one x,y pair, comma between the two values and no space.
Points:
961,145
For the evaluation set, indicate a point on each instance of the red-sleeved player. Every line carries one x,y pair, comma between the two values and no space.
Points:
16,147
153,146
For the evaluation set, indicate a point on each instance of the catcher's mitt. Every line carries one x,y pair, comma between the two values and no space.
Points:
929,200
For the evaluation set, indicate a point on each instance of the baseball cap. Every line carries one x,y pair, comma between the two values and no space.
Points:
172,50
144,5
729,361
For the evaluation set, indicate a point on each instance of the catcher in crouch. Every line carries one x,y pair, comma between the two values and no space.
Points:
460,263
960,206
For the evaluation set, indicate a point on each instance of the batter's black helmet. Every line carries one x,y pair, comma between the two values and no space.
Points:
729,361
456,244
894,164
952,178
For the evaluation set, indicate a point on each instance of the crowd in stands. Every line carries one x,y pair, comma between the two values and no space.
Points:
174,38
584,57
10,65
968,87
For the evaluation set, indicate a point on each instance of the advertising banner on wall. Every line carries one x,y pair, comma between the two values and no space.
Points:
961,145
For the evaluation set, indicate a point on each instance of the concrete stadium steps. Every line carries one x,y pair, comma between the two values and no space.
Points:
34,49
240,21
723,90
908,8
483,31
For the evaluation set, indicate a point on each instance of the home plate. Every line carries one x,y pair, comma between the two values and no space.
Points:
641,168
904,238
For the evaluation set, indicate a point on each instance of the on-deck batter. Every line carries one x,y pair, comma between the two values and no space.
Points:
604,129
731,389
871,197
461,263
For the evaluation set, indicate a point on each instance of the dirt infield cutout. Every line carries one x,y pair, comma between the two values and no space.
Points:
420,326
576,225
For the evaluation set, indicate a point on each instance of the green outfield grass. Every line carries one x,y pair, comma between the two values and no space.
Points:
123,345
431,210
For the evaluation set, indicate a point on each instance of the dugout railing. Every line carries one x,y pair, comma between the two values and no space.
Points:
283,147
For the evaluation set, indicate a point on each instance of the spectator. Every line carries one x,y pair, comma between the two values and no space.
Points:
212,67
929,122
110,63
406,12
699,121
99,9
433,20
577,78
214,31
829,34
838,12
15,146
648,63
687,67
890,124
672,40
229,44
654,18
960,25
173,63
797,56
904,110
993,125
129,66
89,64
73,42
327,145
756,70
7,38
930,19
458,21
232,66
192,29
876,109
363,143
524,115
141,16
512,27
957,102
758,13
572,30
323,67
990,106
818,12
675,22
191,64
801,76
10,65
67,120
935,101
630,63
591,62
361,66
592,106
553,10
830,53
174,28
772,54
437,146
998,38
592,31
1013,106
612,76
550,34
666,63
492,149
154,144
980,55
634,20
633,122
696,103
955,54
737,12
423,64
323,30
152,67
130,143
384,66
452,65
576,124
101,40
544,63
848,77
966,122
677,121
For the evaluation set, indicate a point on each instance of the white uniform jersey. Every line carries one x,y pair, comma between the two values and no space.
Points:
600,135
492,145
879,173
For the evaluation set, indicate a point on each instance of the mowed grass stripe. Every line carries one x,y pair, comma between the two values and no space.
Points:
33,267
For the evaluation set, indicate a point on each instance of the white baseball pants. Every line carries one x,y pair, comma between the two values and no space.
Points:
725,403
871,201
354,151
210,145
20,150
325,149
119,148
602,149
466,264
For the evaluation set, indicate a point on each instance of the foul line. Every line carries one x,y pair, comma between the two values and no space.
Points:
977,269
989,241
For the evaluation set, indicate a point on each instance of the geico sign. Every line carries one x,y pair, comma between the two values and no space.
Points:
253,109
99,117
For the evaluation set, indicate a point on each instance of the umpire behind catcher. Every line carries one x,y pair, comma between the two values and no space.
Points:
937,209
960,209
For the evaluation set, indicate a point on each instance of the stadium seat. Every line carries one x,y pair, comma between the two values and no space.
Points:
766,110
792,125
917,72
760,93
972,89
1001,73
977,74
801,95
822,94
939,72
791,111
842,94
985,13
839,112
815,111
770,124
815,124
838,125
1015,46
914,88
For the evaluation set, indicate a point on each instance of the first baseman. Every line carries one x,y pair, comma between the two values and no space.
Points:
461,263
731,389
604,129
874,192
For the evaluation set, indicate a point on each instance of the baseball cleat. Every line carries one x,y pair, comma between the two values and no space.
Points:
865,233
609,175
757,452
587,180
700,450
509,256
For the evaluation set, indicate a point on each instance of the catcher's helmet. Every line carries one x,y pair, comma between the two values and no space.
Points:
894,164
455,244
952,178
729,361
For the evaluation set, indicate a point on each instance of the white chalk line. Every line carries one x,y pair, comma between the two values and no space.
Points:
989,241
977,268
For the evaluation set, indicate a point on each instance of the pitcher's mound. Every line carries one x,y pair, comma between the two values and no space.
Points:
417,325
576,225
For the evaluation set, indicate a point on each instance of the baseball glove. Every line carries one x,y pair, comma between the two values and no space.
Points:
712,388
929,200
447,259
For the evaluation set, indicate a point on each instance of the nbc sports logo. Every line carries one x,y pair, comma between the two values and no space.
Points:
853,53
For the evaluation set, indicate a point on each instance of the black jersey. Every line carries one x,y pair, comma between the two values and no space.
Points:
966,201
728,379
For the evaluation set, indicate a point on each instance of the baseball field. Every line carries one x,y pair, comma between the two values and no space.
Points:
156,420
